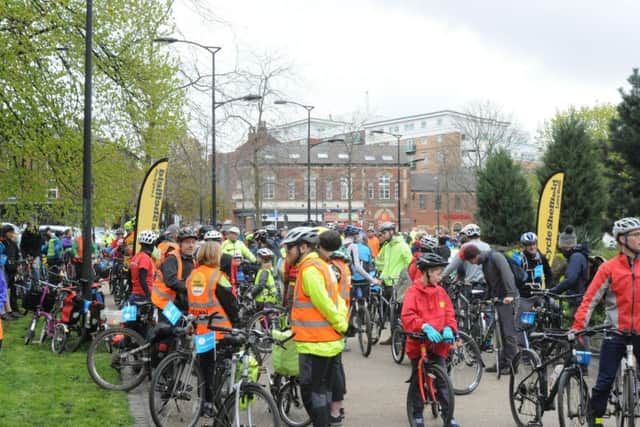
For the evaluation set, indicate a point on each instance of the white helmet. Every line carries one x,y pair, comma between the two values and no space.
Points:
429,242
470,230
214,235
265,252
234,230
625,225
147,237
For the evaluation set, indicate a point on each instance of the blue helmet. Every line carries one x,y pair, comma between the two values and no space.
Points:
351,230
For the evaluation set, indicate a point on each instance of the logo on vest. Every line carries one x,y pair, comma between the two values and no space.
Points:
441,304
198,284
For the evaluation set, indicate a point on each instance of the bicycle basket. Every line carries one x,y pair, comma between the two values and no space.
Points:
583,357
285,360
528,318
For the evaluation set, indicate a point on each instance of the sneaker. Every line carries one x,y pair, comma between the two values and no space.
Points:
454,423
335,421
418,422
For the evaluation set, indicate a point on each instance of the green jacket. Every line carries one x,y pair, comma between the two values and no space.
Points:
237,248
394,257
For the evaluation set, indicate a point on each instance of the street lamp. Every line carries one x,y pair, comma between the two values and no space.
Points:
212,50
349,152
308,108
397,136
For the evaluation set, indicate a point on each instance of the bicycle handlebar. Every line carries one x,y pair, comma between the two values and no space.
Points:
570,335
546,292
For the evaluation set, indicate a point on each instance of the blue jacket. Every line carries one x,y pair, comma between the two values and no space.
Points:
576,275
3,281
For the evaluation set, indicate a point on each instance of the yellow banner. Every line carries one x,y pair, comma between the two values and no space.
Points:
549,215
151,198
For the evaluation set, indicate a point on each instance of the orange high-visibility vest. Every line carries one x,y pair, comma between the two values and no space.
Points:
201,292
307,323
161,294
344,282
163,248
78,257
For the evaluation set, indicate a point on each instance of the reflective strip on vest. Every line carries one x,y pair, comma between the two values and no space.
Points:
310,323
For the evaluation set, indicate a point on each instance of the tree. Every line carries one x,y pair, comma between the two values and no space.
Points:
504,202
624,157
571,149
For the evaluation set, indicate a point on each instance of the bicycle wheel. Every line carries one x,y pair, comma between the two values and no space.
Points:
176,391
42,337
464,365
376,321
265,321
290,406
76,335
435,377
256,407
397,344
118,359
31,331
59,338
629,398
365,338
573,399
525,389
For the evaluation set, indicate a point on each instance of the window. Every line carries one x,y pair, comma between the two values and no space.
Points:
291,190
370,191
370,158
423,124
409,126
384,187
410,146
344,188
294,156
387,158
457,203
422,201
396,191
396,129
268,156
323,156
52,193
328,189
269,188
343,156
313,187
439,139
439,122
440,156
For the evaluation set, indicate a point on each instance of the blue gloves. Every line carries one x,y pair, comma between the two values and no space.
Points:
376,288
447,335
433,335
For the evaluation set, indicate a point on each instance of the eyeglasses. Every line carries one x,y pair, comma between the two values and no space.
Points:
634,234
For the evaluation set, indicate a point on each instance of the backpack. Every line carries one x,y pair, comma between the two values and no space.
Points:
519,274
593,264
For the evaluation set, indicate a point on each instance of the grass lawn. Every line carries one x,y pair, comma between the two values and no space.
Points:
40,388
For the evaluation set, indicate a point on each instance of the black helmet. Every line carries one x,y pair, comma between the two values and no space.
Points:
430,260
203,230
187,233
260,235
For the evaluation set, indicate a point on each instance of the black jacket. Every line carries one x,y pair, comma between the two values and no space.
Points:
31,243
13,255
576,276
169,269
498,275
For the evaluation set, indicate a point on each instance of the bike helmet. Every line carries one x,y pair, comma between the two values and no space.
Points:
341,253
299,235
187,233
351,230
271,229
428,242
387,226
625,225
203,230
260,234
172,229
265,253
331,226
213,235
119,231
529,238
430,260
234,230
147,237
470,230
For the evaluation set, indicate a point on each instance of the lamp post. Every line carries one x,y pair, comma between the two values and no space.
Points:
212,50
349,151
397,136
87,276
308,108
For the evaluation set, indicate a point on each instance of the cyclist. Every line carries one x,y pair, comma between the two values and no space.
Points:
472,274
502,285
372,241
576,275
362,262
8,240
3,291
167,242
614,283
30,244
395,256
427,308
265,290
235,247
226,260
208,292
130,237
77,252
316,322
261,237
169,282
142,267
426,244
53,249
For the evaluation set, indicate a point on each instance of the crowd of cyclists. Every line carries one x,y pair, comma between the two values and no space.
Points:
310,276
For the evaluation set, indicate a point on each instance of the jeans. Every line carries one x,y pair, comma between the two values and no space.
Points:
612,351
414,391
316,377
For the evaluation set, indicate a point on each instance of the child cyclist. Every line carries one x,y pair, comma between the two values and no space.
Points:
265,289
427,308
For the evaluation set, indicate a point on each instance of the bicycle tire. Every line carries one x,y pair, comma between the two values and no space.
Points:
525,386
465,354
566,390
397,344
249,393
265,321
290,397
43,331
437,373
59,338
629,399
31,331
117,344
76,335
376,325
365,337
164,387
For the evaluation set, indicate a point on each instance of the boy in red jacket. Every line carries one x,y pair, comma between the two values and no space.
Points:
427,308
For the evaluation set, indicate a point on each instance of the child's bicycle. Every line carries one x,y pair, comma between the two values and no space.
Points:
51,297
86,320
431,378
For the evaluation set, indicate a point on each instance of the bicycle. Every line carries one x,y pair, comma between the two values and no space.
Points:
286,391
624,399
361,317
381,309
491,338
47,308
431,377
90,322
237,399
529,394
464,364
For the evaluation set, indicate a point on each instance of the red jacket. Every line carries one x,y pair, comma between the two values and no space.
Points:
619,288
414,273
427,304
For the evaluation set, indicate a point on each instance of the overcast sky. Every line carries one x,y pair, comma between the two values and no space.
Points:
418,56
